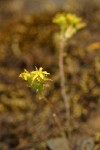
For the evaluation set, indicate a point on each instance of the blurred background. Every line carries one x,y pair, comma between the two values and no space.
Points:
27,40
16,7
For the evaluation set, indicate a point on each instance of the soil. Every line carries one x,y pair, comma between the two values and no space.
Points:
26,123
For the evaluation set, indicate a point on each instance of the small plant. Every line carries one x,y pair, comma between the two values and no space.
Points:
37,79
69,24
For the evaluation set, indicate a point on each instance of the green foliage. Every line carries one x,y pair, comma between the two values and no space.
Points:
36,79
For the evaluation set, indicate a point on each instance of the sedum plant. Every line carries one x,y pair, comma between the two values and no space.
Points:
36,78
69,24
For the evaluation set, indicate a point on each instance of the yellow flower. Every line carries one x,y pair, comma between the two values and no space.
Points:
69,22
25,75
39,74
60,18
35,79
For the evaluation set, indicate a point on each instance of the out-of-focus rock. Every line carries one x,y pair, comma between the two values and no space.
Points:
58,144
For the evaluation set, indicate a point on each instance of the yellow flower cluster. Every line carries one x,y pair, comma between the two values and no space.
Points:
69,23
35,79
